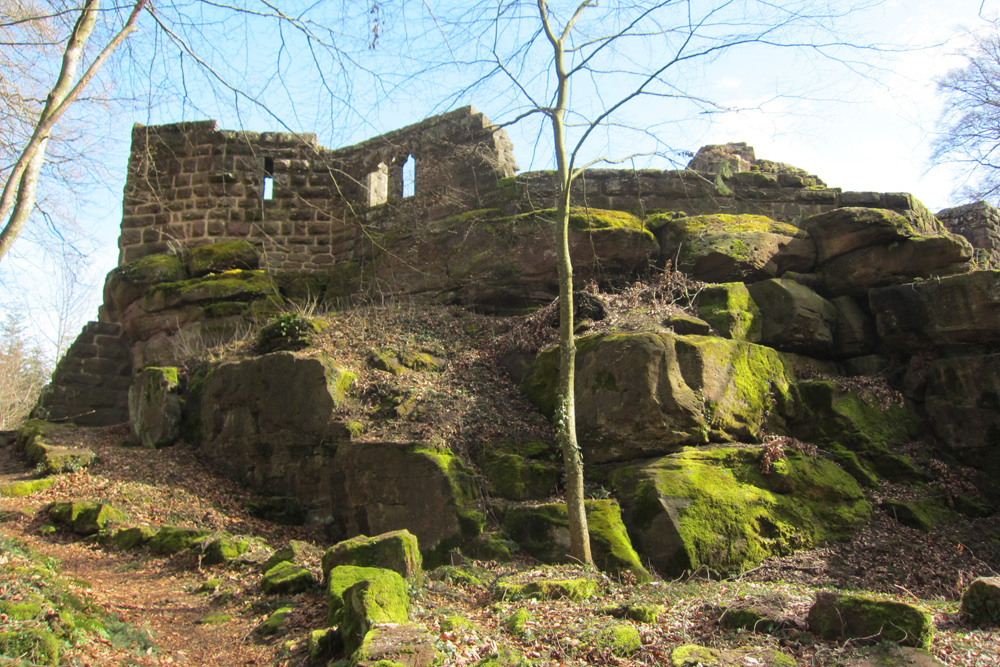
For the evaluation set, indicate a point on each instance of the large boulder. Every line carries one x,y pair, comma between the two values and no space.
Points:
860,248
542,531
962,399
981,601
714,507
378,487
793,317
731,311
492,261
957,310
854,333
644,394
397,551
836,616
267,421
154,407
722,247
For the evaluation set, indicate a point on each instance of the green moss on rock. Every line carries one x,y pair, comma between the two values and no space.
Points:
218,257
132,538
554,589
86,518
169,540
40,647
26,488
621,639
288,332
381,597
397,551
835,616
287,579
981,601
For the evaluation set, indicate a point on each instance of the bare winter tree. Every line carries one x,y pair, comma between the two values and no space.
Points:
584,71
969,127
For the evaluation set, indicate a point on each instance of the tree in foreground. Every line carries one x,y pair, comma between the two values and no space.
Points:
23,373
583,70
969,127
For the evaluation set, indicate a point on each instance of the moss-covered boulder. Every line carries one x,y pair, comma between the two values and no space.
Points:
169,540
694,655
957,310
86,518
25,488
380,597
287,578
219,257
36,438
794,318
547,589
542,531
731,311
396,550
224,549
129,282
922,514
296,551
836,616
127,539
276,623
713,507
645,394
850,228
400,361
154,407
405,645
338,580
618,638
852,419
722,247
520,471
385,486
981,601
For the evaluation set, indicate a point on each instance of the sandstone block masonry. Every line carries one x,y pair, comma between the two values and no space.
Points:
191,184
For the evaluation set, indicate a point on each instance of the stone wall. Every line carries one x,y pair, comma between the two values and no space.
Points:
191,184
978,222
786,197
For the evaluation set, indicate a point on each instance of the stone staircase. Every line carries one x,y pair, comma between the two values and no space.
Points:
90,384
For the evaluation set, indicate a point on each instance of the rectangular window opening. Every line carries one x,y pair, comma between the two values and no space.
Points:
268,186
409,177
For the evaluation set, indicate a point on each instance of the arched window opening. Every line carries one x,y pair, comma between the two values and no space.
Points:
377,185
409,177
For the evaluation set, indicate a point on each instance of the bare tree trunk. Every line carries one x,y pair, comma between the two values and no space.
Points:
579,533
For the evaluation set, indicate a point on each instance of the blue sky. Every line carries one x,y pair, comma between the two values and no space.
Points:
860,133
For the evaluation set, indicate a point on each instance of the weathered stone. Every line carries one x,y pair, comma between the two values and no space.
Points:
169,540
380,597
843,230
287,579
765,613
887,653
650,393
295,552
793,317
896,263
693,655
520,471
132,538
981,601
720,248
33,439
836,616
378,487
714,507
962,399
686,325
267,421
25,488
957,310
86,518
392,644
397,551
854,331
130,281
154,407
219,257
730,310
542,531
547,589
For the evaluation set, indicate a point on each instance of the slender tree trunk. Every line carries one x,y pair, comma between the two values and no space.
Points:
579,533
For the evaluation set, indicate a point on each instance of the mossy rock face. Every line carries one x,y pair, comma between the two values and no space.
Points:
224,549
520,471
543,532
132,538
25,488
921,514
391,645
288,332
397,551
552,589
218,257
731,311
338,580
154,407
287,579
713,507
981,601
743,247
835,616
794,318
169,540
850,228
86,518
856,419
40,647
276,623
127,283
381,597
234,285
644,394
